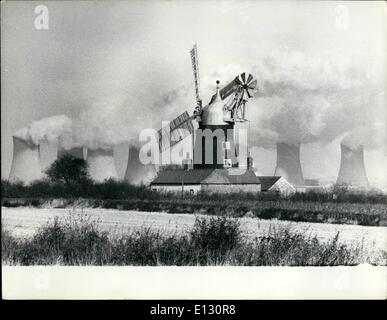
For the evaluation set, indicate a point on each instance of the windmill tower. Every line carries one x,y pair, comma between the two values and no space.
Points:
214,145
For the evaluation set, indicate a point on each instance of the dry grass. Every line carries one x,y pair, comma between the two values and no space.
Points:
211,241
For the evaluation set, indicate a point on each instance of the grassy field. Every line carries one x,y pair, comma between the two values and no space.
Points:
210,241
338,204
367,214
331,227
24,223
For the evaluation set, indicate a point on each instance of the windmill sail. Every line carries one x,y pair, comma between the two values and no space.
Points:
228,89
195,66
178,129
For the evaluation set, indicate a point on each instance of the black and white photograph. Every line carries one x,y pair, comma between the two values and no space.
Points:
193,136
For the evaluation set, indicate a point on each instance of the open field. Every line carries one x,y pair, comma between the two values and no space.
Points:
24,222
366,214
336,205
111,237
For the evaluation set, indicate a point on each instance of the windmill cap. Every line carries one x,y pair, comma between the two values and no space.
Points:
213,113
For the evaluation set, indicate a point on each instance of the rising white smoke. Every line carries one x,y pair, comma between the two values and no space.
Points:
313,98
299,99
372,137
117,120
108,123
57,129
302,98
101,125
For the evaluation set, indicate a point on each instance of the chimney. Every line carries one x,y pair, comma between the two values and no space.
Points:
101,164
136,172
288,163
75,152
250,162
187,162
25,163
352,169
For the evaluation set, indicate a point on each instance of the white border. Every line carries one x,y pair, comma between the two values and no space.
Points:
41,282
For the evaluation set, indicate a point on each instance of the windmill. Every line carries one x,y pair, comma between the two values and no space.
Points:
231,107
214,153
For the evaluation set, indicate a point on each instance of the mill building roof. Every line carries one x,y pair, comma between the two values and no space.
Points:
268,181
205,176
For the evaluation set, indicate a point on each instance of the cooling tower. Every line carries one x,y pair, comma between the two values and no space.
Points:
136,172
101,164
352,169
25,164
288,163
75,152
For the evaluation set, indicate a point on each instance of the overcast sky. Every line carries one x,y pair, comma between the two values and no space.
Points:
138,53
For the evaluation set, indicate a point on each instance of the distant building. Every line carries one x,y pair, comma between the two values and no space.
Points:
207,180
276,184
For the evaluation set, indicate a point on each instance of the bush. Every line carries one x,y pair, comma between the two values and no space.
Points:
119,190
283,248
68,170
214,239
9,246
71,242
12,189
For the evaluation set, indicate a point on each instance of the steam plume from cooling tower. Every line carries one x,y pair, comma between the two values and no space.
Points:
101,164
57,129
300,99
25,164
113,121
101,125
288,163
352,170
303,99
372,137
136,172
